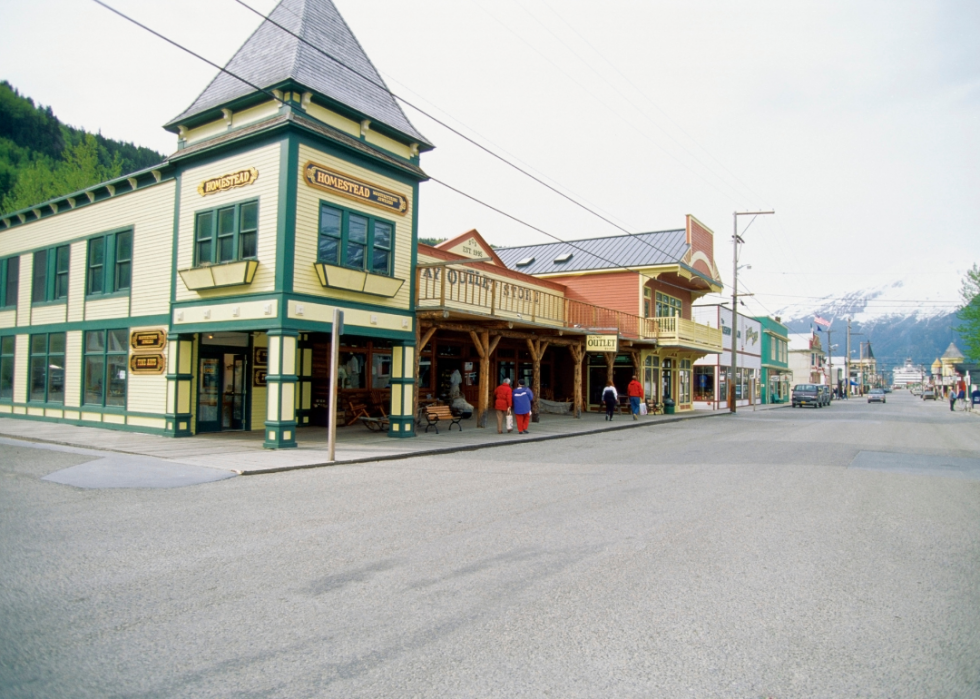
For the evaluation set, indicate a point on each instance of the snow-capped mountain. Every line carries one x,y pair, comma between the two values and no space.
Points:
912,317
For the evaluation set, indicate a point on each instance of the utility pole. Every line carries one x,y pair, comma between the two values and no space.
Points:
733,377
847,358
830,363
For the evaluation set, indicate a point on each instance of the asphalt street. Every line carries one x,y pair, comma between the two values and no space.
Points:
785,553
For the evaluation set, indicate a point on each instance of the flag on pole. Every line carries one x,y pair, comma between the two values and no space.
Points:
821,321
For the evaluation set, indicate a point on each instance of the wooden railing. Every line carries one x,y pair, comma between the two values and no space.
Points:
464,290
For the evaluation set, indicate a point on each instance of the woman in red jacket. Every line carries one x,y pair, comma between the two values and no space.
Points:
503,401
635,392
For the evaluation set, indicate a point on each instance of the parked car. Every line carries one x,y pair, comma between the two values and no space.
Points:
806,394
876,395
928,394
824,392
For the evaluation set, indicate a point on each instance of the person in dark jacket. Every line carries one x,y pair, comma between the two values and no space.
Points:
502,402
635,392
523,399
611,398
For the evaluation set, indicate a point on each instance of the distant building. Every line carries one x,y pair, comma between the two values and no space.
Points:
774,386
806,358
908,374
712,372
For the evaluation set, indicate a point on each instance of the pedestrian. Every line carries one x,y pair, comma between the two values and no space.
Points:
523,399
961,390
635,392
951,394
503,401
611,398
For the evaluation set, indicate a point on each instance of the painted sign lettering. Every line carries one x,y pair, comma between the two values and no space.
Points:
332,181
147,364
148,339
259,377
229,181
602,343
505,289
262,356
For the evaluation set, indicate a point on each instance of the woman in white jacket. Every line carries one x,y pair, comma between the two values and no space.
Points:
611,398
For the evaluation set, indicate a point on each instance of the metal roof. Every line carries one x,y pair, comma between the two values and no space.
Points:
271,57
613,252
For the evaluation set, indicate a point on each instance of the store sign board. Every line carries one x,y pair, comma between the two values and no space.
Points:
148,339
332,181
261,356
229,181
259,377
602,343
147,364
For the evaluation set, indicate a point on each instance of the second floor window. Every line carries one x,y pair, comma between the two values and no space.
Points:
9,282
668,306
349,239
50,275
110,263
227,234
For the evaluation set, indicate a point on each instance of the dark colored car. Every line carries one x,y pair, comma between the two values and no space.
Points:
806,394
824,392
876,395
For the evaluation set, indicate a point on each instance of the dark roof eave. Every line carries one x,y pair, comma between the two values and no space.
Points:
283,121
214,113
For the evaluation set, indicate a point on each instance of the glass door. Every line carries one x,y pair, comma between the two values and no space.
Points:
233,393
208,393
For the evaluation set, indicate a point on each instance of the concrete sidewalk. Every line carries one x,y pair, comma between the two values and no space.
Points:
242,452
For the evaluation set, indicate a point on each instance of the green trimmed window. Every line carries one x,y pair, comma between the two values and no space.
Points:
668,306
9,282
228,234
50,275
355,240
110,263
46,379
106,354
7,345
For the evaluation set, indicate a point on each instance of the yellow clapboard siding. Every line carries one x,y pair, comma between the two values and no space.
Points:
147,393
259,393
21,347
44,315
265,189
148,211
24,288
8,319
76,280
101,309
73,368
308,200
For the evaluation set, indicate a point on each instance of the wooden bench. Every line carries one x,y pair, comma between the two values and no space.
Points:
435,413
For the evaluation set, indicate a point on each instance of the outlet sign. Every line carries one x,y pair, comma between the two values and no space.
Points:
602,343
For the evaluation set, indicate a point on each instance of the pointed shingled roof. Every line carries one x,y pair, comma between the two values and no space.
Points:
272,56
952,352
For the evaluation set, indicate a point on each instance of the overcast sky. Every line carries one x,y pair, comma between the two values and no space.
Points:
856,121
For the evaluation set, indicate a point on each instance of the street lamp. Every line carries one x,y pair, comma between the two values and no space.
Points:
735,241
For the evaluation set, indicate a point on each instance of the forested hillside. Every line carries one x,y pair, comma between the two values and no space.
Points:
41,158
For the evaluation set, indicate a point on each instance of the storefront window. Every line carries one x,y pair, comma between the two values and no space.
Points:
704,383
352,372
7,367
651,378
106,353
47,369
684,381
380,371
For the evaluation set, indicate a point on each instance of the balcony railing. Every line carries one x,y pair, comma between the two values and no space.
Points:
470,292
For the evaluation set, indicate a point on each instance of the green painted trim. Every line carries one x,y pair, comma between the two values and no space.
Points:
339,150
44,304
343,303
89,423
231,325
288,332
286,228
227,149
106,324
176,241
278,440
232,298
413,265
407,427
121,294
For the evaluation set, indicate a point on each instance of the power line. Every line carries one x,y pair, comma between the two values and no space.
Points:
228,72
447,126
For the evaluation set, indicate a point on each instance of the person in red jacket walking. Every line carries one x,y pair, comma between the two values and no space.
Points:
635,392
503,401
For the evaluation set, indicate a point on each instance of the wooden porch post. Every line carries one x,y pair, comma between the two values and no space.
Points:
578,354
484,347
610,363
421,340
537,349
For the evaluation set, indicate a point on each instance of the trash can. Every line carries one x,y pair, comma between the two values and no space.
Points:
668,406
